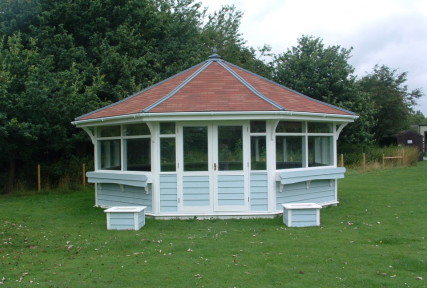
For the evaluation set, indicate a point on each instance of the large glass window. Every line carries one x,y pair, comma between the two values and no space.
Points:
289,152
258,145
131,141
109,131
304,144
137,147
110,154
319,151
258,153
230,148
138,154
196,148
167,147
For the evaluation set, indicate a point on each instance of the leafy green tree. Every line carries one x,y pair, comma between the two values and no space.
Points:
38,105
324,73
392,100
60,59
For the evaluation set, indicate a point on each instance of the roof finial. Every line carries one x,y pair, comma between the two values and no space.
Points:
215,55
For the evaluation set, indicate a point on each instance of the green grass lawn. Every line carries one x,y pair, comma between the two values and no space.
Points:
375,237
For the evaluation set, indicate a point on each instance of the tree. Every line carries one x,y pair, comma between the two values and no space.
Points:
324,73
38,104
393,102
60,59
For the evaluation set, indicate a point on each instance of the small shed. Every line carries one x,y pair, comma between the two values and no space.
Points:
215,140
412,139
422,129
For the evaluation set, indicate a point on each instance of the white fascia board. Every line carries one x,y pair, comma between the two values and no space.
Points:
209,116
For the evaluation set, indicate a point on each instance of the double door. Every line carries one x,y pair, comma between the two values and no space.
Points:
213,167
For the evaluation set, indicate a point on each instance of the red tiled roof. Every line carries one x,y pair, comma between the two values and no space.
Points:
215,86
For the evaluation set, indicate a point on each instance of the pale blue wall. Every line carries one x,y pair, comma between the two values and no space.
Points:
196,191
259,191
168,193
231,190
109,195
317,191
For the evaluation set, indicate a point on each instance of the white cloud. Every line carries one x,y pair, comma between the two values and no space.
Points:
389,32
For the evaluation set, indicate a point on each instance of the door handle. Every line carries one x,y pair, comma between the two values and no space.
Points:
214,166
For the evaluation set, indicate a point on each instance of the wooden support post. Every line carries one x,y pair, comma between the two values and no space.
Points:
84,174
39,184
342,160
364,161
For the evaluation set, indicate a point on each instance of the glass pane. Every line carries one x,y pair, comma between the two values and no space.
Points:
289,152
319,127
167,128
137,129
230,148
109,131
257,126
138,154
110,154
196,149
289,127
320,151
167,155
258,153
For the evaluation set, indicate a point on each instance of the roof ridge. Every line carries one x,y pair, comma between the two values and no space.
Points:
249,86
179,87
294,91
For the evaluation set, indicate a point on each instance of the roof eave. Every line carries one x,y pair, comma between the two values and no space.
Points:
215,115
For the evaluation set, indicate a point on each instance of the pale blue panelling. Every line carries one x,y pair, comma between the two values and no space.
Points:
109,195
231,190
122,221
196,191
168,193
259,191
318,191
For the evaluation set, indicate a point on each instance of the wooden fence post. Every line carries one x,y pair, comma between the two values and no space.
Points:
84,174
342,160
403,156
39,184
364,161
383,160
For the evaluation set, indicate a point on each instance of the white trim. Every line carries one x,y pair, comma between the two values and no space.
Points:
209,116
216,215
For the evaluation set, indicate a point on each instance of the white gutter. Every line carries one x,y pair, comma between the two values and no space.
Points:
198,116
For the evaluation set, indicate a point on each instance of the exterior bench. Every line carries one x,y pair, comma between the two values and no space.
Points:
301,214
125,217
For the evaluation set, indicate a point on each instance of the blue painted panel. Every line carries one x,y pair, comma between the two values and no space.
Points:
318,191
196,191
259,191
231,190
168,193
109,195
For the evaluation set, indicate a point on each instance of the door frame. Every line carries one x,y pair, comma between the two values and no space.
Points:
213,172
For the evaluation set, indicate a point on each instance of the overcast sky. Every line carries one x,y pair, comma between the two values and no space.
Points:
389,32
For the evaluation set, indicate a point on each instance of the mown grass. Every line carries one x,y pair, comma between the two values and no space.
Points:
376,237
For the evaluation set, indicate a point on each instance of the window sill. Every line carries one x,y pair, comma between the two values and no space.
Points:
131,178
290,176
